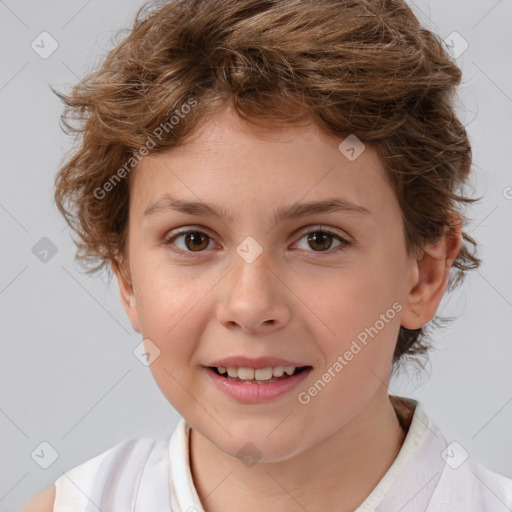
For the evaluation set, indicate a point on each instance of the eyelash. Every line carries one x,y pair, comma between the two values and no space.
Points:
176,234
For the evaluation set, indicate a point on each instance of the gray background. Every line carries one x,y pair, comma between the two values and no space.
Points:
68,375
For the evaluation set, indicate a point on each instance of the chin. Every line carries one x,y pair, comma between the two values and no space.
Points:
258,447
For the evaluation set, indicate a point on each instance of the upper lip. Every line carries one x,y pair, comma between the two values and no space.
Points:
258,362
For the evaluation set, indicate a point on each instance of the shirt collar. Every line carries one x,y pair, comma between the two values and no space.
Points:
421,436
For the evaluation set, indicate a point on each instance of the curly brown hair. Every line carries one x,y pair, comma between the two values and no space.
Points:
364,67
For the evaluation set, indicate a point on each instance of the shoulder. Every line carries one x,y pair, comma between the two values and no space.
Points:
491,484
42,502
474,487
449,479
120,469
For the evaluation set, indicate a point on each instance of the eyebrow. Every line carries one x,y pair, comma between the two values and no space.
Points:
169,203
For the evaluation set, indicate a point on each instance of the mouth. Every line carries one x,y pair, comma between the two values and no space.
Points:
249,385
247,375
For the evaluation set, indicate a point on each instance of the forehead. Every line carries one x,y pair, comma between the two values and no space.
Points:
241,166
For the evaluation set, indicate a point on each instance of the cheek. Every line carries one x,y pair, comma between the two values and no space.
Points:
355,320
170,313
342,302
169,306
164,292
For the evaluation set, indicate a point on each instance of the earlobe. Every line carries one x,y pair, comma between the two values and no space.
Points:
127,293
432,271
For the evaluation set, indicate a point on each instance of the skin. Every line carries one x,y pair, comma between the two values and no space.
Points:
294,301
42,502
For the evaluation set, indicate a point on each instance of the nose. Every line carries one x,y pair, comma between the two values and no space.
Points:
254,297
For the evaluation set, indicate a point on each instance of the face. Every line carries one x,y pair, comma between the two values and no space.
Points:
328,286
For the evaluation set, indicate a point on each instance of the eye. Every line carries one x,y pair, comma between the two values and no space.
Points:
195,240
321,240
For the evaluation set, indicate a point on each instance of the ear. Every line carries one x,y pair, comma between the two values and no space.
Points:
431,273
123,275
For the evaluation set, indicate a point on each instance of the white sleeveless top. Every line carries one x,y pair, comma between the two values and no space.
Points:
148,475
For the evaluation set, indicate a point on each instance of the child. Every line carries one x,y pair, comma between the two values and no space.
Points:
276,186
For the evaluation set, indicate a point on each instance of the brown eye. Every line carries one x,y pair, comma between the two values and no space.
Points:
192,240
320,240
189,241
195,240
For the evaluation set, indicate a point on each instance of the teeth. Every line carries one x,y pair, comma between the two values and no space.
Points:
278,371
263,373
232,372
246,373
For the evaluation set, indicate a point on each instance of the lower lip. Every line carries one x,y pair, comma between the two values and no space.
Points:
255,393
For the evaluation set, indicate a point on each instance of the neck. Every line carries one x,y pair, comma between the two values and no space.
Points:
343,468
